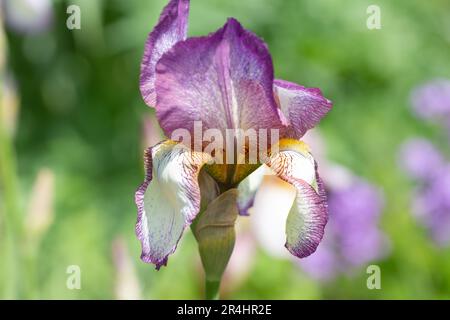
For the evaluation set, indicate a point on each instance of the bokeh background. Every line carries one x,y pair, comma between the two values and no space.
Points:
73,129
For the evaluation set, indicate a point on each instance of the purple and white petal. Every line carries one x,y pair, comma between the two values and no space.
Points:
306,220
303,107
308,215
171,28
224,80
168,200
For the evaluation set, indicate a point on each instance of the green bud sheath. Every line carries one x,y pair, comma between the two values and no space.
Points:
214,231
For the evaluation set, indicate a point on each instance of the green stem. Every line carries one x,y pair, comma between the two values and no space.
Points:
13,227
20,274
11,211
212,289
19,281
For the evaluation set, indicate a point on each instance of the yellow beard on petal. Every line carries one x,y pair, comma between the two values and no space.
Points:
293,144
230,174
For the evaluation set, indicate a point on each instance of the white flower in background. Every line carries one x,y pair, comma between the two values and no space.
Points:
28,16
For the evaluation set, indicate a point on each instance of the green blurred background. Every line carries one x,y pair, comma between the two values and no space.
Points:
81,114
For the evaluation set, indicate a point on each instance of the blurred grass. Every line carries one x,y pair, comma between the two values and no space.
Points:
81,114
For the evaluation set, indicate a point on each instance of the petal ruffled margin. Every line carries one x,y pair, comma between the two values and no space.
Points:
309,214
171,28
168,200
303,107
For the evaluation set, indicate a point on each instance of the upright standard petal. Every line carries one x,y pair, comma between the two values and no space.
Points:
303,107
168,200
171,28
308,215
224,80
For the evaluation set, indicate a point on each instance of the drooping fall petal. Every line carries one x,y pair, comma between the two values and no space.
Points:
303,107
171,28
168,200
224,80
308,215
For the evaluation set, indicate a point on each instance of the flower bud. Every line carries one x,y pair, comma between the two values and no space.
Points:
215,234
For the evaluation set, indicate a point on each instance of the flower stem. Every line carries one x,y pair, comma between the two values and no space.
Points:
212,289
11,212
12,230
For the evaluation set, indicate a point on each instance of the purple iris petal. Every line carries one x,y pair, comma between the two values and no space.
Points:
420,159
432,100
224,80
303,107
171,28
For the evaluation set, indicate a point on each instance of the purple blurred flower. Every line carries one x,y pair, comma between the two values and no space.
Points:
353,238
427,165
28,16
432,100
431,204
420,158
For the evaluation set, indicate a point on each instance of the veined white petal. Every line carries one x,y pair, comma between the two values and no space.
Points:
168,200
308,215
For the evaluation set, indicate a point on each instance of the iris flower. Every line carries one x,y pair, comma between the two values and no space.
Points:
224,80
